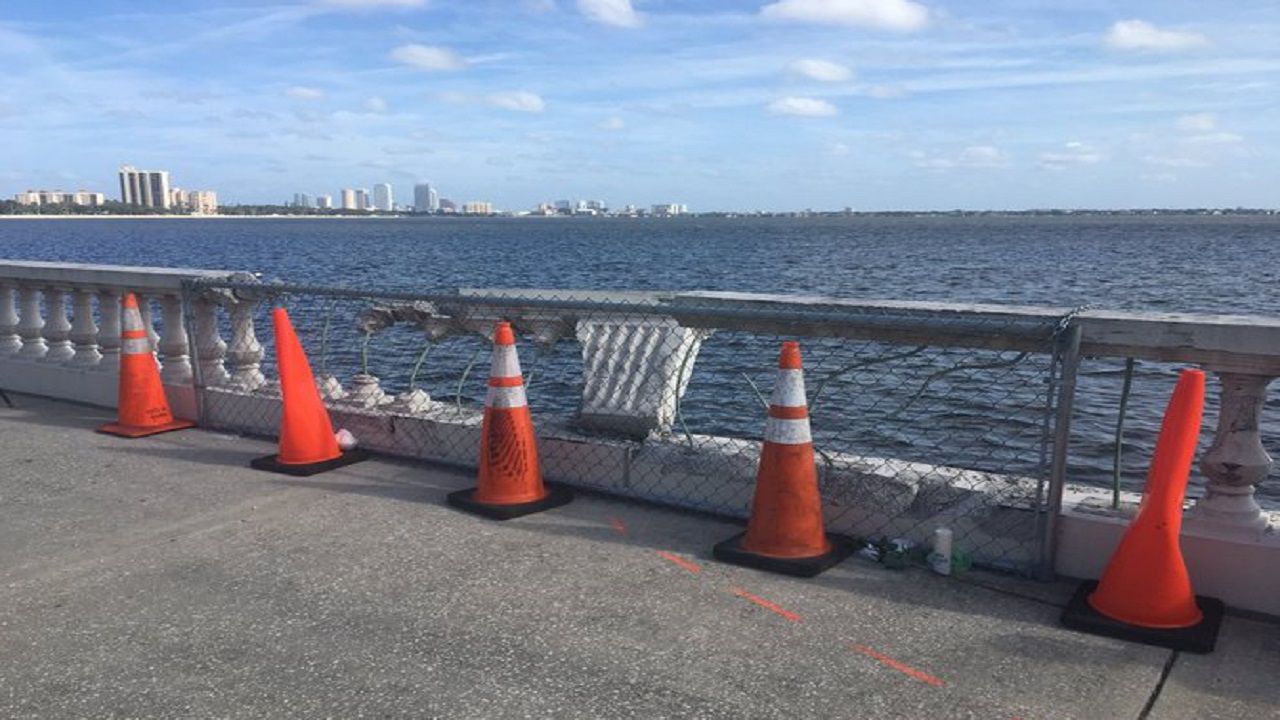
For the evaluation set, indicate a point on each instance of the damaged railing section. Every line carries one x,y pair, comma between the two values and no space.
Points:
922,416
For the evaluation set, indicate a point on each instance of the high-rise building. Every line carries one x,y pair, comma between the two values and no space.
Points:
362,199
477,207
302,200
147,188
382,197
324,202
348,199
425,198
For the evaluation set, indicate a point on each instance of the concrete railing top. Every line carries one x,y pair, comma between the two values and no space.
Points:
78,275
1239,343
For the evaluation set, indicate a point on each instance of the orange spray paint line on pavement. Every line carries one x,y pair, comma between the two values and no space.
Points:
903,668
691,567
767,605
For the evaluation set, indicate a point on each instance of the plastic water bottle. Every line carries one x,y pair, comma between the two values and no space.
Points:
940,558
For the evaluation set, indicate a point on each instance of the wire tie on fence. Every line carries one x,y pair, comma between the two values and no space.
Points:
1064,322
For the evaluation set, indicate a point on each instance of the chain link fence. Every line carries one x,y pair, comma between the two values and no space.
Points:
921,418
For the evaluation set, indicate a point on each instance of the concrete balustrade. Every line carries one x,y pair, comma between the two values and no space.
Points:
60,329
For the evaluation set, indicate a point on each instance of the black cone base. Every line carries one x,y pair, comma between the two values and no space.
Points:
731,551
1199,638
271,464
557,495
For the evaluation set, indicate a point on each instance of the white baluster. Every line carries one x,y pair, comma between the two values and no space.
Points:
176,369
245,353
84,332
1236,461
211,348
10,340
31,325
109,334
58,328
144,310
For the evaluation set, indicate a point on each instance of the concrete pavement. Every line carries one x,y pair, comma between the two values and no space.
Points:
164,578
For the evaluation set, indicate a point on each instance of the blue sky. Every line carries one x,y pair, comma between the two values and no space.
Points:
761,104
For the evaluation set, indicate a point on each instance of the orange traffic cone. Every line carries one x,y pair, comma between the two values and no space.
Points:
307,443
1145,593
510,483
143,408
785,533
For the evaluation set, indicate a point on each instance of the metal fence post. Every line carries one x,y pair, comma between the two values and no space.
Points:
1070,354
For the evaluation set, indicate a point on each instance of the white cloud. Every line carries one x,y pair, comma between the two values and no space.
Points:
1203,130
618,13
1142,35
896,15
886,92
372,4
613,123
1072,153
974,156
375,105
840,149
431,58
821,70
1217,138
453,97
518,101
1198,122
1173,162
298,92
802,107
983,156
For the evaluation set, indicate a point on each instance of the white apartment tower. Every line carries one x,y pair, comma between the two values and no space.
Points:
145,187
425,198
382,198
348,199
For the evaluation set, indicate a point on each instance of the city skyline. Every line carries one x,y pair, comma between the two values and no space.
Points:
771,104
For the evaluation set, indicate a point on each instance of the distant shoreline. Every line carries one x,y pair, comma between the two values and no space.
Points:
1135,213
204,217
